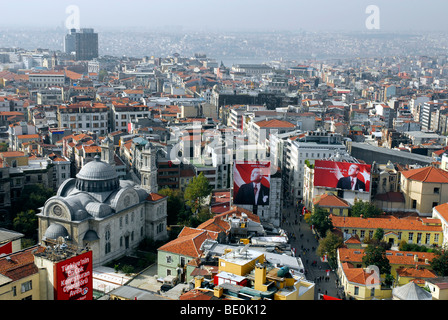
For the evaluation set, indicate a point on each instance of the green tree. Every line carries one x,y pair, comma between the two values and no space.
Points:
375,254
440,262
321,221
175,204
196,192
4,147
329,246
26,223
364,209
33,196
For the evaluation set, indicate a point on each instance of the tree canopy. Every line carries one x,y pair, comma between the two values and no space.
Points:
175,204
440,262
329,246
196,191
364,209
320,219
375,253
33,196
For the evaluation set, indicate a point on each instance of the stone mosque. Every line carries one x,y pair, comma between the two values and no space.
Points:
99,211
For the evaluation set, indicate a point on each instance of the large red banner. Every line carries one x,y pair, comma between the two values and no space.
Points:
6,248
73,278
251,182
342,175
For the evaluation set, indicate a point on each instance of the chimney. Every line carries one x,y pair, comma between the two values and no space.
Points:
260,277
198,281
218,291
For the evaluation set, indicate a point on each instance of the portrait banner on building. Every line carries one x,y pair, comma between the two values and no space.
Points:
74,278
251,182
342,175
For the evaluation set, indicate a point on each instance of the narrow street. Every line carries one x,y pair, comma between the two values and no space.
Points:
305,243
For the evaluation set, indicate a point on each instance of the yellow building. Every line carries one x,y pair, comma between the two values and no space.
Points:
361,283
441,212
438,288
424,188
268,281
333,204
405,266
14,158
416,230
19,277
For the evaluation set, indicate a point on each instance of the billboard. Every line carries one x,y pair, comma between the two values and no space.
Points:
342,175
74,278
251,182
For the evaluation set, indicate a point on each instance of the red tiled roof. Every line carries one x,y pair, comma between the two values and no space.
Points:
274,123
387,223
154,197
21,264
188,242
416,273
427,174
331,200
402,258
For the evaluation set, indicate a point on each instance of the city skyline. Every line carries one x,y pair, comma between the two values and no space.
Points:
247,15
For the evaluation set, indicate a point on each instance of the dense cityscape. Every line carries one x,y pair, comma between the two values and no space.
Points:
238,166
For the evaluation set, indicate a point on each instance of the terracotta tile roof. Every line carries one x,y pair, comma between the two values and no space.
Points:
386,223
427,174
154,197
197,294
188,242
274,123
92,149
8,154
390,197
331,200
359,275
416,273
21,264
401,258
442,209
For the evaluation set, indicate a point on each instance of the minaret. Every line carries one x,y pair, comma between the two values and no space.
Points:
148,171
108,151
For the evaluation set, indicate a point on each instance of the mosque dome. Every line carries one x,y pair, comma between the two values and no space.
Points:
56,230
97,176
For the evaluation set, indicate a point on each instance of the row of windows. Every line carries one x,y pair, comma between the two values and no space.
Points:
24,287
419,238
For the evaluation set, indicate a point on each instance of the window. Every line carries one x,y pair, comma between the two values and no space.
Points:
428,237
372,292
356,291
169,259
436,190
27,286
414,204
14,291
411,236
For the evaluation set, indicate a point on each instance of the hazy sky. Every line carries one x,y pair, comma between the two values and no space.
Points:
263,15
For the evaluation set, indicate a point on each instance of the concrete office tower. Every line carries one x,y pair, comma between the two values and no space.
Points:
83,44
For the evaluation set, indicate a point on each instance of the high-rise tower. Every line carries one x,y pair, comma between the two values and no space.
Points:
83,43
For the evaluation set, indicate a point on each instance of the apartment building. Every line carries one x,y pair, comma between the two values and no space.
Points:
424,188
259,131
45,79
123,114
312,145
93,117
416,230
